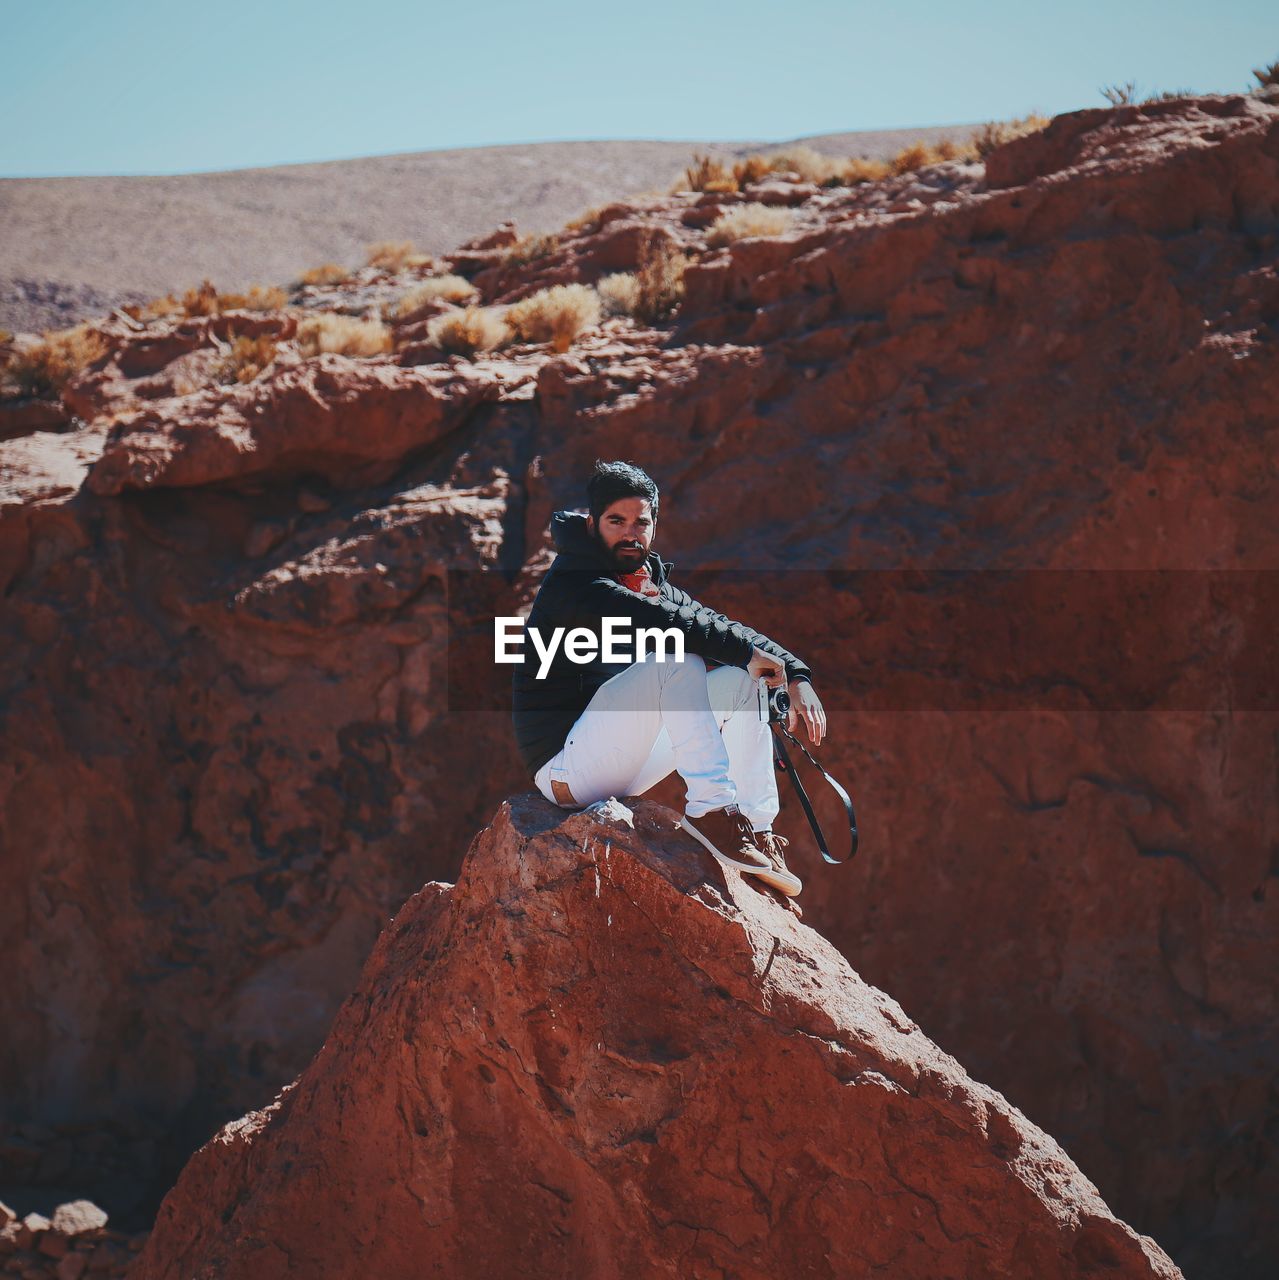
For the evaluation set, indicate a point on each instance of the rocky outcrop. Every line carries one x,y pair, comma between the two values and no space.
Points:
599,1054
238,692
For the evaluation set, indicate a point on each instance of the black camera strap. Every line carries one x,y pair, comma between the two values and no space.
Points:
782,760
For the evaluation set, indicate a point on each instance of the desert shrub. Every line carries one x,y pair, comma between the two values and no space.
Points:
264,298
808,163
660,273
434,288
207,301
529,248
619,293
556,315
467,331
1267,75
588,220
395,255
752,169
45,367
859,169
343,335
708,174
326,273
745,220
1119,95
913,157
996,132
247,358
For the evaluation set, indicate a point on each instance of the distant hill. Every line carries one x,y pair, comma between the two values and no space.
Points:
75,247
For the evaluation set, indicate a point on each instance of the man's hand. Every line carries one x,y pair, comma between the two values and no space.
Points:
804,701
763,663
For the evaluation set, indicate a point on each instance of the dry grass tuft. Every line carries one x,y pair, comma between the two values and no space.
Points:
588,220
708,174
556,315
1119,95
1267,75
531,247
44,368
996,133
327,273
660,273
743,221
396,255
806,162
435,289
207,301
247,358
619,293
343,335
752,169
858,169
464,333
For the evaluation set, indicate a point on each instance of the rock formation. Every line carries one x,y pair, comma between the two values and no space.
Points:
236,734
601,1054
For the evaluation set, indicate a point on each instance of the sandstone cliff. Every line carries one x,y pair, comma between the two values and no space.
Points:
600,1054
236,736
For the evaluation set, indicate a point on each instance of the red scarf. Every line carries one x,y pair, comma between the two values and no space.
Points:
640,581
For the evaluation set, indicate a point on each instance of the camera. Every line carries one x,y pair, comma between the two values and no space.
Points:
774,703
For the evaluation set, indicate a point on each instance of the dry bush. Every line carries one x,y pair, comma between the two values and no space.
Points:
44,368
344,335
1119,95
395,255
808,163
207,301
619,293
434,288
463,333
1167,95
1267,75
247,358
589,220
745,220
556,315
913,157
264,298
996,133
157,308
708,174
531,247
327,273
859,169
751,169
660,273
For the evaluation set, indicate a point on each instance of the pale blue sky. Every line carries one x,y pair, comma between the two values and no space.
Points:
166,86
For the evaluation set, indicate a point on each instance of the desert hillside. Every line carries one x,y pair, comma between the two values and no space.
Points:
73,248
993,432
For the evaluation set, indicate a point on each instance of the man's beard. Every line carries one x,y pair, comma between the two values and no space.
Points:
625,562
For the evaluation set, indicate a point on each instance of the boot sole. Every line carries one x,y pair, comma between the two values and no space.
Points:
723,857
784,882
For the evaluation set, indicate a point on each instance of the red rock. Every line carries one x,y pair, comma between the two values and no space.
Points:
599,1053
218,773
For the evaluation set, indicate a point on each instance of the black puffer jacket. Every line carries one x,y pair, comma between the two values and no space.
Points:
580,589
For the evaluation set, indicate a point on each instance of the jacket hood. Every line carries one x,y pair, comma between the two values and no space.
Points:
571,537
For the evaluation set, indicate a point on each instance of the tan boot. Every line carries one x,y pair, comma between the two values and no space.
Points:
727,834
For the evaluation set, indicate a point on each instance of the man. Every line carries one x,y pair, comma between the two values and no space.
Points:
590,731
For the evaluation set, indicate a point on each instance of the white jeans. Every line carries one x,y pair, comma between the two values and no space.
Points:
655,717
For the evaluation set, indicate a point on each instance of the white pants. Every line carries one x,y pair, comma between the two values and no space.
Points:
655,717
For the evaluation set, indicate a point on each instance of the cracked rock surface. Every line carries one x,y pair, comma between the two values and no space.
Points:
600,1054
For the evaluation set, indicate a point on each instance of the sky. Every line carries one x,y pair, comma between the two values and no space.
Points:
169,86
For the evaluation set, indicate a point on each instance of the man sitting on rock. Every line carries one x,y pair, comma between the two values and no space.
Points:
588,731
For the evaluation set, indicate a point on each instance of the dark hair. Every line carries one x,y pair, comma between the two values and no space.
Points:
614,480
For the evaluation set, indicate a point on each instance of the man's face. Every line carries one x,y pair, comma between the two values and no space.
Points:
626,531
